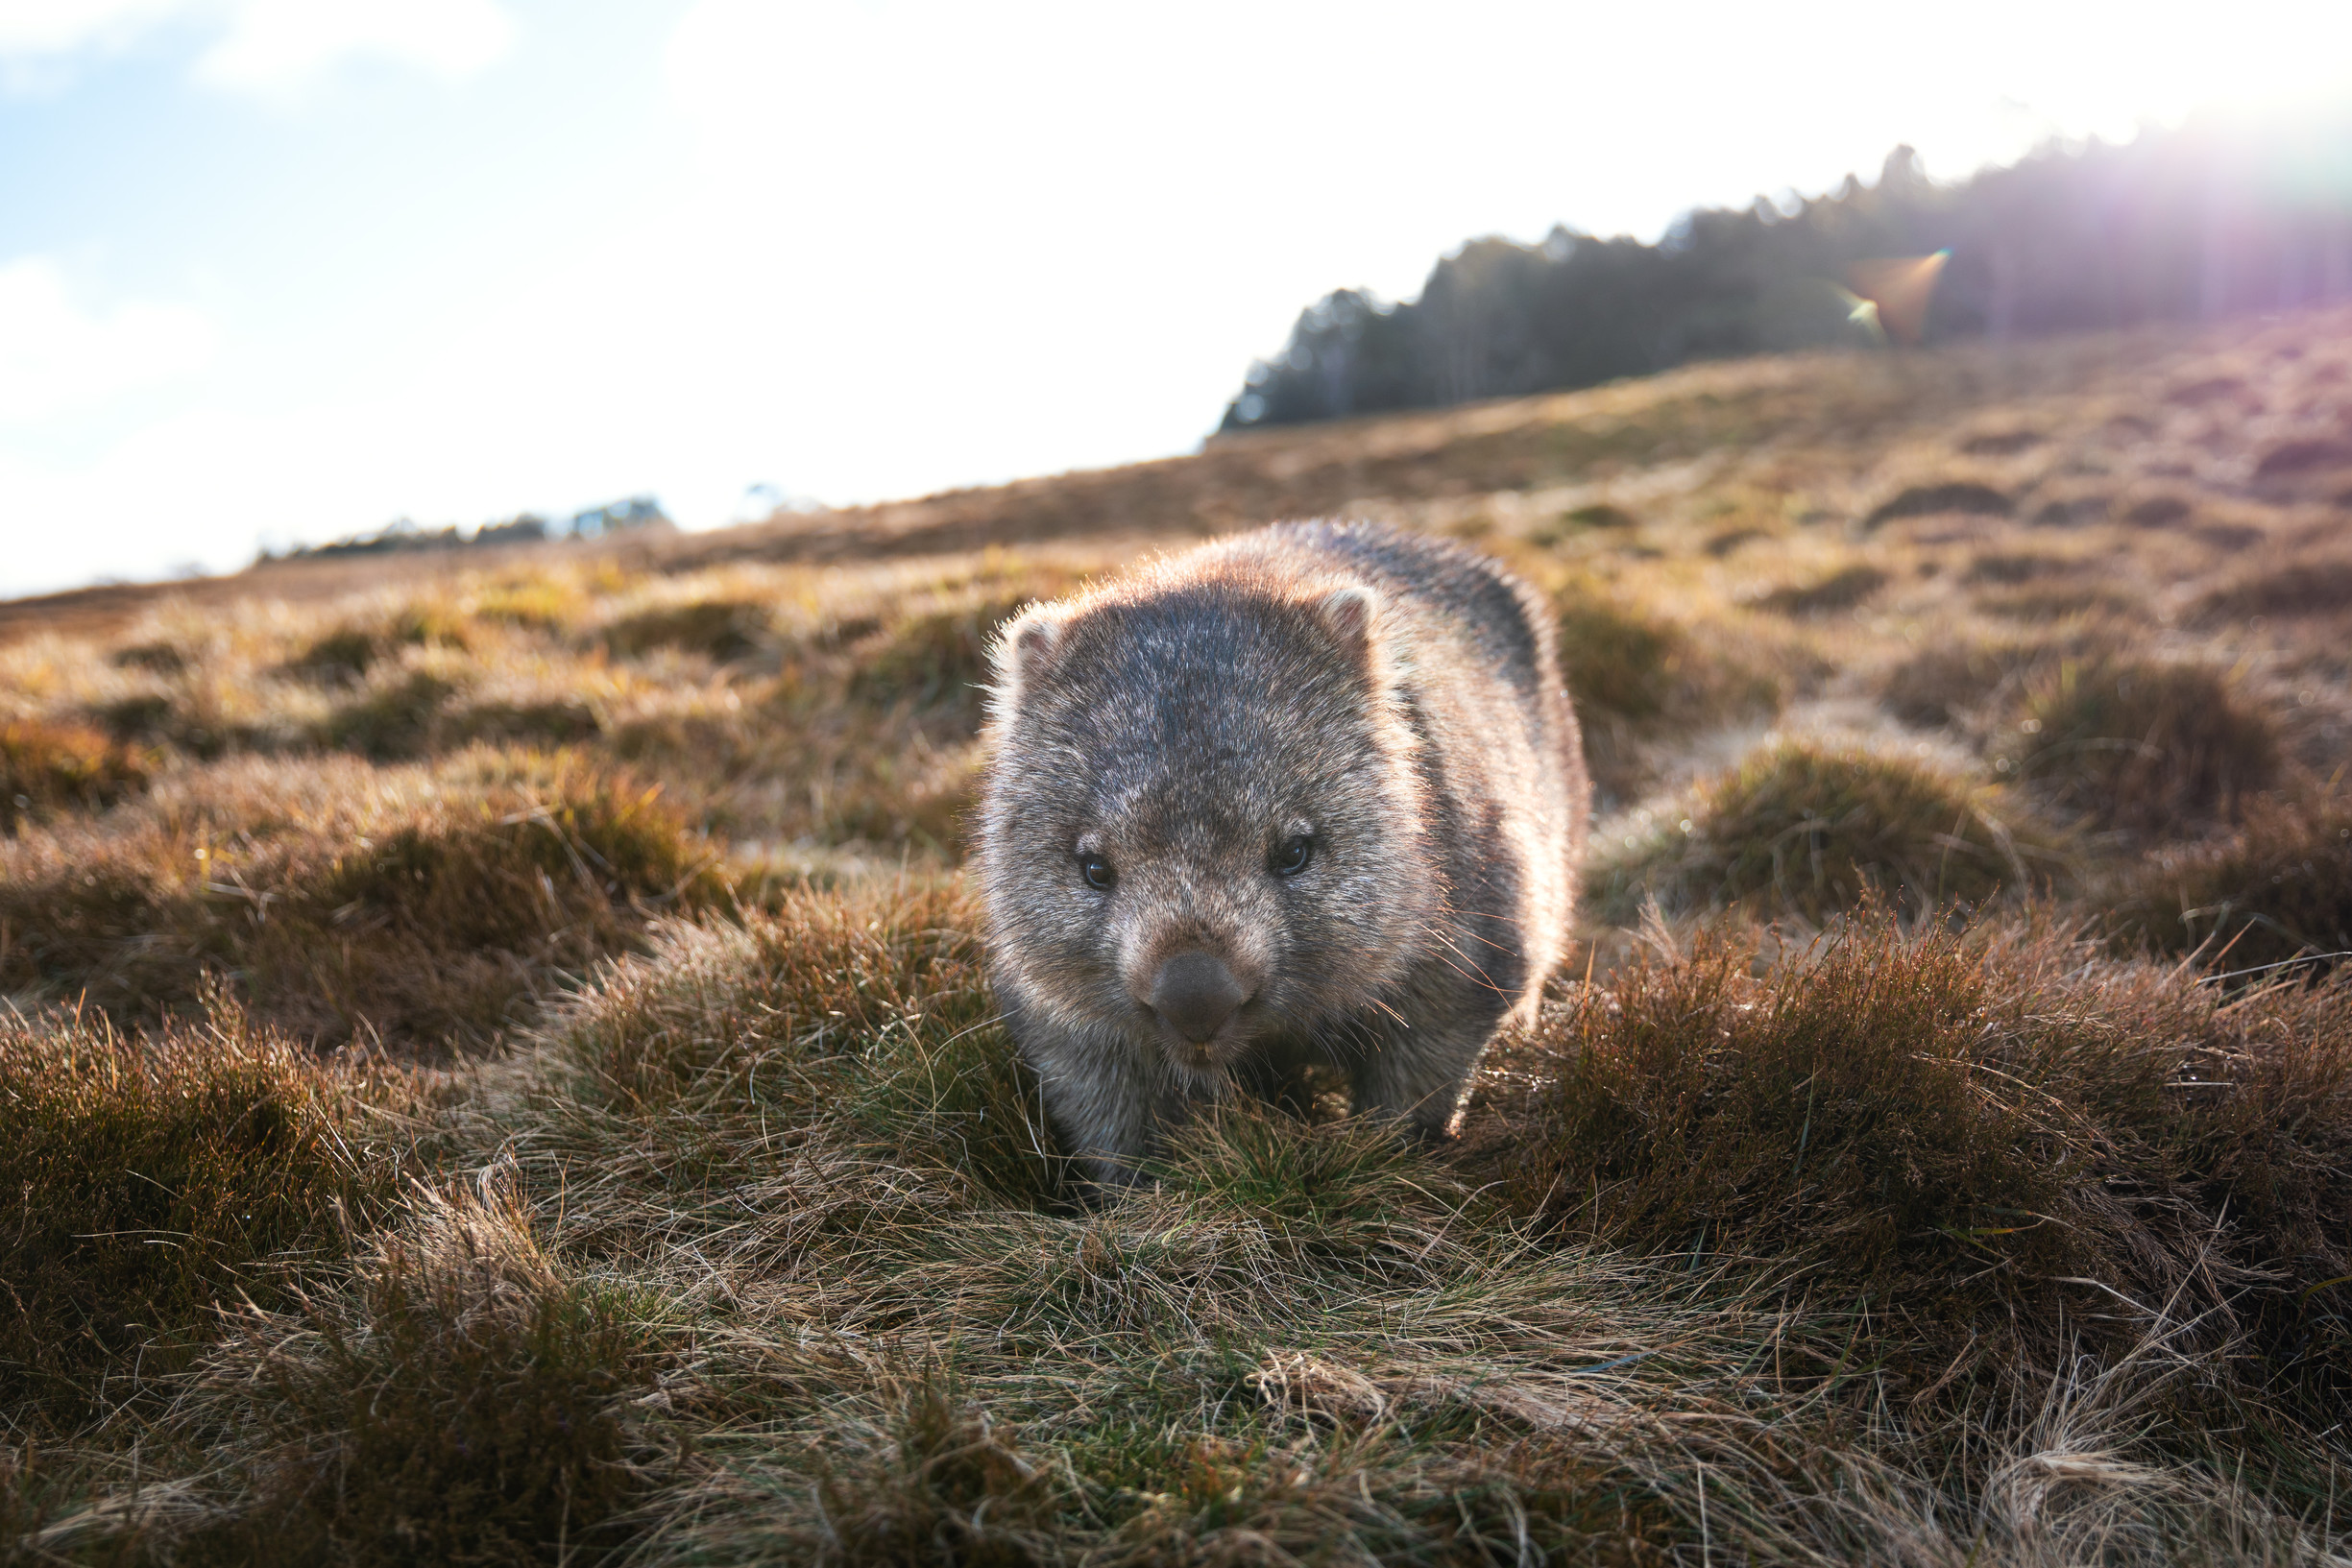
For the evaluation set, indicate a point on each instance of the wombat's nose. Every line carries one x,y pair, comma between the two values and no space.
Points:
1196,993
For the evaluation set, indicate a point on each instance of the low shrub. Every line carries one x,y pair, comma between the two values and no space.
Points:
2279,888
1797,830
47,767
155,1178
2143,746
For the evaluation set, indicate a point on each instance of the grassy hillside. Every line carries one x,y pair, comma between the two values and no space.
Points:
500,1067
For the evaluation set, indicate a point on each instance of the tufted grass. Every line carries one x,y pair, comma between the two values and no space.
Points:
439,922
2277,890
2144,745
156,1178
1804,830
49,768
559,1174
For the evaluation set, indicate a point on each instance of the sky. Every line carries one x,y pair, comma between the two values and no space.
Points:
287,270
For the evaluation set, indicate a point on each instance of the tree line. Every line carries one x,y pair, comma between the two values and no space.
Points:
2204,221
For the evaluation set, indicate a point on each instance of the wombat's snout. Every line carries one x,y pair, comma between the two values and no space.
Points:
1196,993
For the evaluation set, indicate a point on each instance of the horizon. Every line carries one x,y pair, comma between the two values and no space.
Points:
286,273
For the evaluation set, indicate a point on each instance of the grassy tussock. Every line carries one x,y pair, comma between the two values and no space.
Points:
2143,745
2301,589
721,630
2005,1153
934,659
772,1267
157,1178
867,1026
1634,675
1926,501
1953,684
1845,588
352,649
1810,831
440,922
62,767
459,1399
2278,889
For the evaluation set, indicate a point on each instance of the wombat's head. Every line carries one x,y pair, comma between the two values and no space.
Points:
1203,825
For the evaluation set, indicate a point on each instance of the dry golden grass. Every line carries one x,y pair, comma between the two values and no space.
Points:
431,1143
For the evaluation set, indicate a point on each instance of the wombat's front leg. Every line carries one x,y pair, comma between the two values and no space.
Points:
1110,1102
1417,1077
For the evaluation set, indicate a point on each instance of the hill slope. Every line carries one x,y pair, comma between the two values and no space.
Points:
501,1067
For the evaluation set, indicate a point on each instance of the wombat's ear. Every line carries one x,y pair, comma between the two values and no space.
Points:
1349,614
1021,654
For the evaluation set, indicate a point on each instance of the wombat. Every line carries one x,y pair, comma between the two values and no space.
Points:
1312,794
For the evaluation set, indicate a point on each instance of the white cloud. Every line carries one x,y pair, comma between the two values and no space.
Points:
277,45
56,27
270,47
57,359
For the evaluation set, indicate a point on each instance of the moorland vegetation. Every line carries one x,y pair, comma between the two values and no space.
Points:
499,1067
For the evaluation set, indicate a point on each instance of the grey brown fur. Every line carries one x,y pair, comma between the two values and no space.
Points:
1389,699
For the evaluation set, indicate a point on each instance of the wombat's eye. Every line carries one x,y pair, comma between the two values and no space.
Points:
1098,872
1292,858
